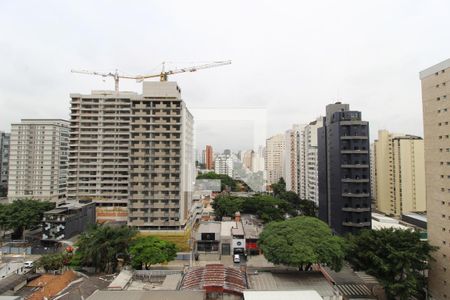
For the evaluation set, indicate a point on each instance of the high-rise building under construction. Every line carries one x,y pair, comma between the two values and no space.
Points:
133,155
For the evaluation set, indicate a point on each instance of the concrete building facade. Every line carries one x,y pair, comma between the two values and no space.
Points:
399,173
133,155
435,83
344,172
310,167
223,164
209,157
292,158
38,159
5,139
275,147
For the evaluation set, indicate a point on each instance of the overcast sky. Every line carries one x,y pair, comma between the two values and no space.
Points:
289,57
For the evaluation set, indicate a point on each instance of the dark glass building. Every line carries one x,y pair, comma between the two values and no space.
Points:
344,170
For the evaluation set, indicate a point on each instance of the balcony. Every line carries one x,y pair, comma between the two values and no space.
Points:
356,166
354,180
354,137
354,224
357,195
349,151
359,209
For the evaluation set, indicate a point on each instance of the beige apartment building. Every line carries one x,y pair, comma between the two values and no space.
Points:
292,157
399,173
38,159
275,146
436,119
133,155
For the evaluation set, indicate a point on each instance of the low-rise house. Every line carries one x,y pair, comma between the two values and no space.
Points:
67,220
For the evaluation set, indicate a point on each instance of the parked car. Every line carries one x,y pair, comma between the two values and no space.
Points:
237,258
28,264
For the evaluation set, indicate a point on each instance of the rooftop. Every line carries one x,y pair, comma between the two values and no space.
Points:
291,280
147,295
214,277
252,226
285,295
436,68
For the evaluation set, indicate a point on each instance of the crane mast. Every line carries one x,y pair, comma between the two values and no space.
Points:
163,75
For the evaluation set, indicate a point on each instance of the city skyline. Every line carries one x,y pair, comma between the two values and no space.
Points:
368,67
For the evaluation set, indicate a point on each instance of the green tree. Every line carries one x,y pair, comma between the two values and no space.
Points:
24,214
226,182
150,250
226,206
101,245
290,197
267,208
398,258
279,187
52,262
301,242
308,208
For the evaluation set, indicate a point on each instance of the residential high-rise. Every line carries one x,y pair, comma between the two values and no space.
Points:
399,171
133,151
223,164
309,168
291,158
247,158
4,162
344,172
209,157
275,146
436,119
38,159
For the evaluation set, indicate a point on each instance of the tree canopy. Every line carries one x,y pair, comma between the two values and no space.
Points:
397,258
50,262
150,250
304,206
225,180
301,242
279,187
268,208
101,245
23,214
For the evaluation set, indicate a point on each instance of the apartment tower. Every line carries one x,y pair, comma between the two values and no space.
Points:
436,120
399,173
223,164
4,162
344,172
310,168
275,146
38,159
209,157
292,158
133,155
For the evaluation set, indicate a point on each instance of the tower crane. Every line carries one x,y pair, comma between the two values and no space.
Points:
162,75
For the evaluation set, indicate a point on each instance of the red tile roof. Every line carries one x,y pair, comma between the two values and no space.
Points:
215,277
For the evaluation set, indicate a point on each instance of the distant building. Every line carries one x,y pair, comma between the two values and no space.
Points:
435,82
344,172
4,162
399,171
275,146
38,159
292,158
209,158
223,164
247,159
67,220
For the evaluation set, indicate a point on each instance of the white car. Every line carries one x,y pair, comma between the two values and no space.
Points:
237,258
28,264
